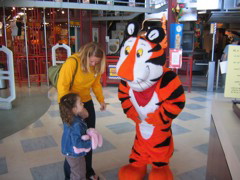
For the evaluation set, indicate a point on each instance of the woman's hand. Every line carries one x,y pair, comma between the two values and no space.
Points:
103,106
84,113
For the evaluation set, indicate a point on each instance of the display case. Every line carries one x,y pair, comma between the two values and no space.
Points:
110,74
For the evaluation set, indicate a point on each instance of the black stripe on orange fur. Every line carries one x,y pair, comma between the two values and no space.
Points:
176,93
123,83
160,60
132,160
136,137
180,104
163,120
126,110
170,115
136,152
160,103
160,164
156,79
121,91
167,129
156,48
166,142
123,99
167,78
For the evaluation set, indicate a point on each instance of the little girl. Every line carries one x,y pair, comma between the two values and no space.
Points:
72,113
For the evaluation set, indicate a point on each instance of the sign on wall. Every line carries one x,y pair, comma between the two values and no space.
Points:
232,86
175,58
112,73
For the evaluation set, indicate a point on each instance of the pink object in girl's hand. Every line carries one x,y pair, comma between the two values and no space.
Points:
80,150
96,138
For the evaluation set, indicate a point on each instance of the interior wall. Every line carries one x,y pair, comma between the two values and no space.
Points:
86,27
102,28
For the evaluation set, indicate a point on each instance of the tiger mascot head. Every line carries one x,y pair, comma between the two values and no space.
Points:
141,57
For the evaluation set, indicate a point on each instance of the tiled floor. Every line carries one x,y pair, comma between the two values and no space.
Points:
34,152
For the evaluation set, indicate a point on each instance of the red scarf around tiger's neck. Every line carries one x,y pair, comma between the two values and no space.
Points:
145,96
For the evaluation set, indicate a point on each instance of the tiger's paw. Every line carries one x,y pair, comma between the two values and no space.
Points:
162,173
129,171
151,119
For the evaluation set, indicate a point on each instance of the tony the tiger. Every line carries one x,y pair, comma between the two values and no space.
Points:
152,96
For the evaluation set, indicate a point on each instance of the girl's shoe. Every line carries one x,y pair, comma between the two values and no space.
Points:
94,177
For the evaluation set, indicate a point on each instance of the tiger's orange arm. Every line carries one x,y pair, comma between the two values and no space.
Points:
172,100
128,108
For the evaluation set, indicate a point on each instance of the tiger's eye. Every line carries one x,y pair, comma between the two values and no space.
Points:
127,50
139,52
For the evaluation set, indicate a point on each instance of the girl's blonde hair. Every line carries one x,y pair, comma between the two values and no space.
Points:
67,103
88,50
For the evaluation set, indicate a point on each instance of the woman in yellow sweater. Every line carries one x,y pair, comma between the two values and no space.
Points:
91,64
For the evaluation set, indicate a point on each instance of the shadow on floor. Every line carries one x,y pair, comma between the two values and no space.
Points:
23,112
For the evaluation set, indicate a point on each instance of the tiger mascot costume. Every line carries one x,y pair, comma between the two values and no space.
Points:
152,96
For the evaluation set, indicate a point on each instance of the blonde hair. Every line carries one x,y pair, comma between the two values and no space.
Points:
88,50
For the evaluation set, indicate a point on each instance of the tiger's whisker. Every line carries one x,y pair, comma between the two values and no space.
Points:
140,85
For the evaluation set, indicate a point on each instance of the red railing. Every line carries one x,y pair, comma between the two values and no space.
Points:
185,73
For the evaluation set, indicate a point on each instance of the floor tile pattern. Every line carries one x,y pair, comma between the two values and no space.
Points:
34,152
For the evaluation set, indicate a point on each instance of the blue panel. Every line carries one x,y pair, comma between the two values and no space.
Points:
176,129
202,148
54,102
54,113
121,128
48,172
176,35
106,147
103,114
3,166
38,143
116,105
37,124
194,106
187,116
196,174
200,99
